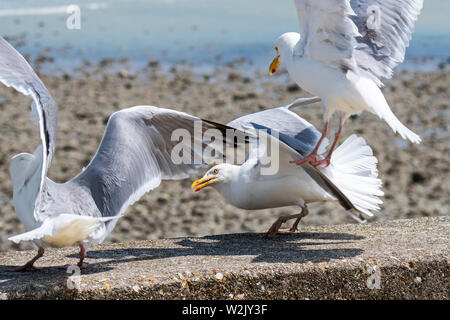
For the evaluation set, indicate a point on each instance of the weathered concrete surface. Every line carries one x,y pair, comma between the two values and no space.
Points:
329,262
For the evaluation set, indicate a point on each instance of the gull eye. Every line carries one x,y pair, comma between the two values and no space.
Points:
276,49
216,171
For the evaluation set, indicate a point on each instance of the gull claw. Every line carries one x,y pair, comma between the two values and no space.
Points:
311,158
321,163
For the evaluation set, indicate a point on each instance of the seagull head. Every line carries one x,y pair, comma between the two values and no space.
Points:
217,175
284,48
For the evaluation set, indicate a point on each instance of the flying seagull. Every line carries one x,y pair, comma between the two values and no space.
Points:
351,177
343,50
132,159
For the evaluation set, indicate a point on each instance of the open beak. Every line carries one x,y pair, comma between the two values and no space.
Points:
274,65
203,182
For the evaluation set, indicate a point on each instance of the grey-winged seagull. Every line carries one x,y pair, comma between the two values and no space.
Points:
351,177
133,157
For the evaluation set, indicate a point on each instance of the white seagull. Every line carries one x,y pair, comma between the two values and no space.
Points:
343,49
132,159
351,177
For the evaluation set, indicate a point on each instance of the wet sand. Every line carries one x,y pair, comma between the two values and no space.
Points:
416,177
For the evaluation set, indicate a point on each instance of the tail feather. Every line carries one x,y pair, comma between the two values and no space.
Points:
397,126
368,163
63,230
376,101
353,169
370,186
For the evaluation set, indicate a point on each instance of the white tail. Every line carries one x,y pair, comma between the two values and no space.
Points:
63,230
376,101
395,124
353,169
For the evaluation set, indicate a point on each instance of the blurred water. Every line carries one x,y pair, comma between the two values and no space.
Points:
203,32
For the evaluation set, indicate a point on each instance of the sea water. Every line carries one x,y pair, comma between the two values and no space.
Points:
201,32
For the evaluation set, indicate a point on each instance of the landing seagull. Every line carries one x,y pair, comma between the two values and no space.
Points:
350,179
343,49
133,158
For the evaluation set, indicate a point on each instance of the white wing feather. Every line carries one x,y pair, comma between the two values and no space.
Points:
327,32
367,36
16,72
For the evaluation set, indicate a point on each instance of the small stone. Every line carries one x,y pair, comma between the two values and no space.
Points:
153,63
123,74
418,280
219,276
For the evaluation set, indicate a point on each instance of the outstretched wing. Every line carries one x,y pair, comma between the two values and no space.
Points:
327,33
293,129
366,36
141,147
16,72
386,27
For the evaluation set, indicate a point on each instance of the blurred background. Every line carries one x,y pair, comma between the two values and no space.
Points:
210,58
203,32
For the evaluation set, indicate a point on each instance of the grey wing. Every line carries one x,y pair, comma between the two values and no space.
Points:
386,27
327,32
141,147
17,73
292,129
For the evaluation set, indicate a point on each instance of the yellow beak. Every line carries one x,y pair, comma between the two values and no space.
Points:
274,65
203,182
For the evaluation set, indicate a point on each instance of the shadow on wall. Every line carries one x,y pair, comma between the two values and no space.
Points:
282,249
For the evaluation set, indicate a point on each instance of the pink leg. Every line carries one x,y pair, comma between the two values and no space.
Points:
326,162
275,228
80,263
312,157
29,265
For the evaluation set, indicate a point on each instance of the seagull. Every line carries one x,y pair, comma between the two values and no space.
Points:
134,156
343,49
351,177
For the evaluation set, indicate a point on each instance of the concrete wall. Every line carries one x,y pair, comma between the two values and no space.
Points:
403,259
